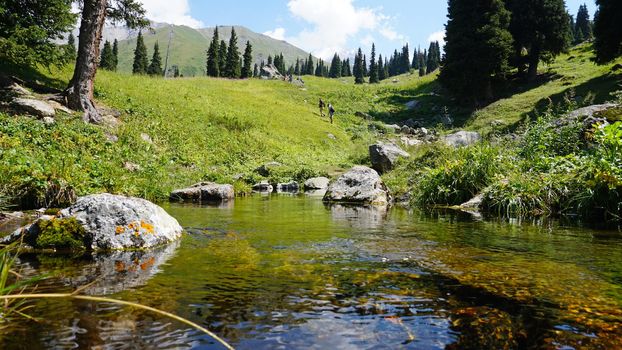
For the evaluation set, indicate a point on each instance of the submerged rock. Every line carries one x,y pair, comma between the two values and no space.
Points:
385,155
34,107
288,187
360,185
204,192
462,139
317,183
103,222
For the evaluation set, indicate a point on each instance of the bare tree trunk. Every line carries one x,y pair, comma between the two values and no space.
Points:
534,59
80,90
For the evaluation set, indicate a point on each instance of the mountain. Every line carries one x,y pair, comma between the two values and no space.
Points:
189,46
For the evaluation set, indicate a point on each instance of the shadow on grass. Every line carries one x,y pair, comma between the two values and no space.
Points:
32,75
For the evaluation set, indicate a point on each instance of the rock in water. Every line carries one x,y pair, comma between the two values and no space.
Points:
263,187
462,139
385,155
204,192
290,187
34,107
360,185
317,183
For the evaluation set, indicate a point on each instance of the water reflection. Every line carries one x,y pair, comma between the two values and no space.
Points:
359,217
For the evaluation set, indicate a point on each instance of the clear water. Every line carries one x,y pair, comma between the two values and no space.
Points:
288,272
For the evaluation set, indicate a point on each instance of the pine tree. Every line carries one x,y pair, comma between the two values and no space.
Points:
282,63
583,26
405,59
373,66
256,71
140,56
381,71
365,69
540,27
213,55
71,47
607,30
297,67
247,68
433,59
415,63
155,68
359,73
222,58
232,66
478,48
335,67
106,60
386,68
309,65
115,54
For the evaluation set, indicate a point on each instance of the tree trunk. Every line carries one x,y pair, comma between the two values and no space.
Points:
534,59
80,90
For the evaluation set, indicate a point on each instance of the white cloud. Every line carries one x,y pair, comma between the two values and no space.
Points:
278,33
332,24
438,36
170,11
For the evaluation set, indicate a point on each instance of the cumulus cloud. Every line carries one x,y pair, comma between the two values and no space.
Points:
438,36
332,24
278,33
170,11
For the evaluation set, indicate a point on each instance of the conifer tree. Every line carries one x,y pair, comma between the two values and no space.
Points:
478,48
269,59
155,68
310,65
433,59
256,71
335,67
141,62
583,26
115,54
297,67
232,66
386,68
541,27
381,71
71,47
607,30
213,55
247,68
365,69
222,58
106,60
359,73
405,59
415,63
373,66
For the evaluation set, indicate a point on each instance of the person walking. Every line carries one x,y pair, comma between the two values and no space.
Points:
331,112
322,105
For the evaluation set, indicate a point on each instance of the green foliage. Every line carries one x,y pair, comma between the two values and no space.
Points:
247,70
548,137
61,234
359,70
107,60
115,54
477,50
373,67
213,58
583,25
28,29
71,48
155,68
232,65
607,30
141,62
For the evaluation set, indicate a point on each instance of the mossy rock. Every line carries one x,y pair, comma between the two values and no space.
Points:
612,115
61,234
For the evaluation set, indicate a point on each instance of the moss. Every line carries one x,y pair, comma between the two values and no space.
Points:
65,234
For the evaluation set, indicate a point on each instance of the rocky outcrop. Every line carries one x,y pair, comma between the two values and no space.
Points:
474,203
34,107
204,192
385,155
317,183
410,105
271,72
590,111
360,185
462,139
113,222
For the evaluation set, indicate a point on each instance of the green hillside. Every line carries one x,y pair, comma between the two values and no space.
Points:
189,46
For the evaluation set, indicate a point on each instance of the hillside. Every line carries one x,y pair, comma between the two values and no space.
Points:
189,46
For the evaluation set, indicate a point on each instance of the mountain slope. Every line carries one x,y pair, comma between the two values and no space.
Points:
189,47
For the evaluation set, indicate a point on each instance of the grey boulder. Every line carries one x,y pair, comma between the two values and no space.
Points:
287,187
263,187
385,155
360,185
317,183
34,107
204,192
462,139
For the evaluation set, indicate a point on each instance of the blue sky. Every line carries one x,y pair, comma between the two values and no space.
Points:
323,26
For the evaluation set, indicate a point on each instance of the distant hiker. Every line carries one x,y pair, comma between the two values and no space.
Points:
331,112
322,105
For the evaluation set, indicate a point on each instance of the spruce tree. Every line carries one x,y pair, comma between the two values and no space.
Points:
310,65
373,66
542,28
71,47
583,26
478,48
222,58
386,68
359,73
232,66
607,30
381,71
365,69
297,67
141,62
247,68
433,60
115,54
415,63
335,67
155,68
106,60
405,59
256,71
213,56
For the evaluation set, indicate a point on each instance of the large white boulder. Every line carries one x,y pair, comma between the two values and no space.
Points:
360,185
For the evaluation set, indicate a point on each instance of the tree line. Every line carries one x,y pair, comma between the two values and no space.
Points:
488,40
225,60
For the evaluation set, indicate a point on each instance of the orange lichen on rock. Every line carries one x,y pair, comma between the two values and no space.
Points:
119,230
146,226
